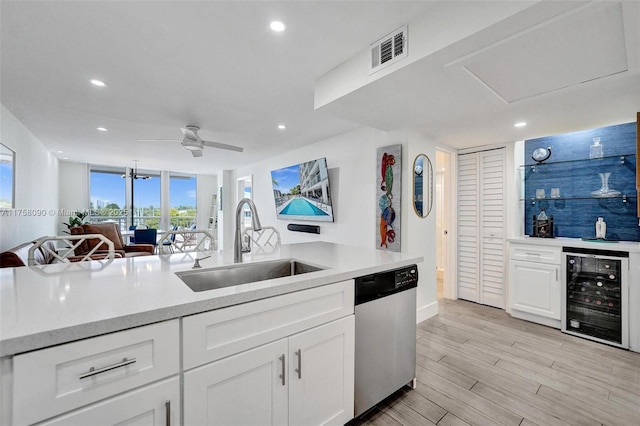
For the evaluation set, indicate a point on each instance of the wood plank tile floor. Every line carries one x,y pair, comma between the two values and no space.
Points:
477,365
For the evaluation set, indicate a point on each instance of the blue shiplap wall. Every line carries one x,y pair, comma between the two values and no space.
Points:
576,217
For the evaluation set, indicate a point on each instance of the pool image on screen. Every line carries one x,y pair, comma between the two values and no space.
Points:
301,192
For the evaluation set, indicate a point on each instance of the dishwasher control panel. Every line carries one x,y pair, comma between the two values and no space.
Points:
375,286
407,276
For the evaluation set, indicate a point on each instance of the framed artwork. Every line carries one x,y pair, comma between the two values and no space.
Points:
7,177
388,192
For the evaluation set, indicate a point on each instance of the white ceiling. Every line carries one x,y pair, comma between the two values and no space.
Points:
217,65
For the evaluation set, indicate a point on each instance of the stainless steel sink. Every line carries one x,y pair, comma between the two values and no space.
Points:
227,276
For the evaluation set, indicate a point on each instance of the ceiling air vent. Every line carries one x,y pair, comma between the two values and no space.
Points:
389,49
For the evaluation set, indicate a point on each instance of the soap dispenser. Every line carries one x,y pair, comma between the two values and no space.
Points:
601,228
596,149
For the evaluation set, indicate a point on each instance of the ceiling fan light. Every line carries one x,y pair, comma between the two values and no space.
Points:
191,145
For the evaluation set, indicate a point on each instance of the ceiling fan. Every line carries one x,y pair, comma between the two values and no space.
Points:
192,142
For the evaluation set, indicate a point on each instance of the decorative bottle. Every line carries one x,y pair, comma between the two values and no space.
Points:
596,149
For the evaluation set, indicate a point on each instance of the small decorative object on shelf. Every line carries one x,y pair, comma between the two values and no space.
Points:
555,192
542,225
605,191
540,155
595,151
601,229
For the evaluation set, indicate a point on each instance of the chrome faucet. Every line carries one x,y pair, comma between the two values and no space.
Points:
237,243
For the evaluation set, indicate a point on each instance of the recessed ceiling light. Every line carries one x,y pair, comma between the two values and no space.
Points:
102,129
520,124
98,83
59,152
277,26
281,126
65,158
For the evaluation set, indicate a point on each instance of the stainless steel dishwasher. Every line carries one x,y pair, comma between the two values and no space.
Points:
385,314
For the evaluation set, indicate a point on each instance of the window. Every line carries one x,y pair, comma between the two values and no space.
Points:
7,173
146,201
108,195
182,200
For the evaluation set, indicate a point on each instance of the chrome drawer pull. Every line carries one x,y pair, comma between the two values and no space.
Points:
532,254
92,371
299,369
167,411
281,358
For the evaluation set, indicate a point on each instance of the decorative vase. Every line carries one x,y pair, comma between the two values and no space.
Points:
605,191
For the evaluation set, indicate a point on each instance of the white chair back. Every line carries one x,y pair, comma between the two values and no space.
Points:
267,240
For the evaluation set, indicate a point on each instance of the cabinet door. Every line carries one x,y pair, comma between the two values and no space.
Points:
535,288
321,371
243,389
153,405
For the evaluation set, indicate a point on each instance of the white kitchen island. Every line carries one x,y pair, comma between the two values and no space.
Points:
81,342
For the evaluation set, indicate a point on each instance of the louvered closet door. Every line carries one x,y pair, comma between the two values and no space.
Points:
468,225
481,218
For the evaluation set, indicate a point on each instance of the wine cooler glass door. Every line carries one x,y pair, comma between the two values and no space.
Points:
594,296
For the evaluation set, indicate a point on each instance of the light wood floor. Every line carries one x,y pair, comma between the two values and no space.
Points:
478,366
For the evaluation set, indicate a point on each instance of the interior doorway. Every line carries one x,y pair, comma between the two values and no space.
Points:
444,194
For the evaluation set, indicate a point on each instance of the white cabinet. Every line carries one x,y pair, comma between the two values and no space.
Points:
243,389
321,372
481,227
306,379
210,336
535,284
59,379
154,405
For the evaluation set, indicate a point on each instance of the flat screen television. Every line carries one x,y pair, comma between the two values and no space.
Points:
302,192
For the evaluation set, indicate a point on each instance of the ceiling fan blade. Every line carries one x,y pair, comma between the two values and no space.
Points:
196,153
222,146
189,133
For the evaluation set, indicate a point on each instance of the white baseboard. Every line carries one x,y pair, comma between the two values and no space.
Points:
427,311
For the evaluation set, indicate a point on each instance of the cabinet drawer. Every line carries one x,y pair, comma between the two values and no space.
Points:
61,378
532,253
214,335
153,405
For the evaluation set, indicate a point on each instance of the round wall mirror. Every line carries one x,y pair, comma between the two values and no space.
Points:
422,185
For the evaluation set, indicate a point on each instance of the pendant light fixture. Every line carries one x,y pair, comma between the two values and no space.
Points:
134,172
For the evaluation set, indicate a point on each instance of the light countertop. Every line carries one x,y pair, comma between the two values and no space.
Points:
48,305
628,246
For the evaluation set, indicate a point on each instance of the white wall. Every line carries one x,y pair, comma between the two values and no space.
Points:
351,159
206,188
36,184
74,193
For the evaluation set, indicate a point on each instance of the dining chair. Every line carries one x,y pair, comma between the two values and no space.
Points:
132,239
170,241
146,236
267,240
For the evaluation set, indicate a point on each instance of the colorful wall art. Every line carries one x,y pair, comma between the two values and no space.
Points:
388,191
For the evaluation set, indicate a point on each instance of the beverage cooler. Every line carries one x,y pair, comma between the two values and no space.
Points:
594,300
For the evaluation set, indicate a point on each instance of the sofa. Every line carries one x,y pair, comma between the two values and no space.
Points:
19,255
112,232
43,255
